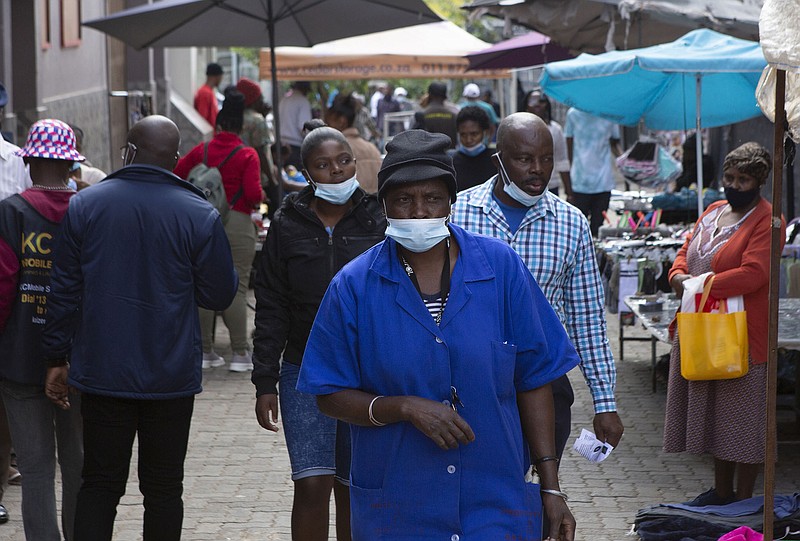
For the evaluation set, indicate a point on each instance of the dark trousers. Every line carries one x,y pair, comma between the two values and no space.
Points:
109,427
593,205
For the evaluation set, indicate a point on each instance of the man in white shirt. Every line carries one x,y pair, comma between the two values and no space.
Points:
294,111
14,177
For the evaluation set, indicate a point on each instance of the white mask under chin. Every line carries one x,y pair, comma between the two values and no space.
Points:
515,192
417,235
338,194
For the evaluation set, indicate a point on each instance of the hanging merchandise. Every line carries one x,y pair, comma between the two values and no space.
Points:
649,164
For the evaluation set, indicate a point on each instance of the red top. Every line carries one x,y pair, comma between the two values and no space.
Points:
205,101
52,204
243,170
741,267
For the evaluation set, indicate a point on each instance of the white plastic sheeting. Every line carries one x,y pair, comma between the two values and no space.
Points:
779,27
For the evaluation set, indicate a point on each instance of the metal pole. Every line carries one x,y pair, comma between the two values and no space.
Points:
771,444
699,145
275,94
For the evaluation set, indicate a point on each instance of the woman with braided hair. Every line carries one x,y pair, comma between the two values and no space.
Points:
726,417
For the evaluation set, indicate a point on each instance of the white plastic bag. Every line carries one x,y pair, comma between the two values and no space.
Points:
693,291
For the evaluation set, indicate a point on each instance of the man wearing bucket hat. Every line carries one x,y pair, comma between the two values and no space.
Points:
438,347
137,254
29,222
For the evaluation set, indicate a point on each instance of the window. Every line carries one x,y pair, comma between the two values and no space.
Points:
70,23
44,24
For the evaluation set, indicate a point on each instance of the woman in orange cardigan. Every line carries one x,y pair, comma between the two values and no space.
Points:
726,418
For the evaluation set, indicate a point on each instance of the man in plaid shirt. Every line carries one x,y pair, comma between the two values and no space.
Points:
554,240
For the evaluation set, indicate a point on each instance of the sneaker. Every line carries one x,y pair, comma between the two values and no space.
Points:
212,360
710,497
241,363
3,514
14,477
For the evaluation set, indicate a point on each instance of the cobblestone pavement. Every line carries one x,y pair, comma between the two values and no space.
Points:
237,475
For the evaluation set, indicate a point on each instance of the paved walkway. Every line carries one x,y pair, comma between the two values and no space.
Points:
237,475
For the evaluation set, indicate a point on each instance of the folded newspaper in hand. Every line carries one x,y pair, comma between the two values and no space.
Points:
591,448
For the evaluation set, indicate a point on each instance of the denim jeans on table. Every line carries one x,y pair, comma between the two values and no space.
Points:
38,430
109,428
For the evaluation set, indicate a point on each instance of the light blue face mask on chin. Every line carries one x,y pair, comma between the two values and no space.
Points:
471,151
515,192
337,194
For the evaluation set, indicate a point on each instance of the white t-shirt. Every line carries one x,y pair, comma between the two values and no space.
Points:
294,110
560,155
591,170
14,176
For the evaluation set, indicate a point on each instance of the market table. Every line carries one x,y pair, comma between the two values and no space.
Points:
657,322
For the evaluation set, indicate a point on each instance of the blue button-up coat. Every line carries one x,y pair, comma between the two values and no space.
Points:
498,336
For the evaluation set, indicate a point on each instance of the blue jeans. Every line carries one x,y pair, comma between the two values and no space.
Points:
38,427
317,444
109,428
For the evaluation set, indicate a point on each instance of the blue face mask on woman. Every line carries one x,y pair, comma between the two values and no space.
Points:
417,235
338,194
471,151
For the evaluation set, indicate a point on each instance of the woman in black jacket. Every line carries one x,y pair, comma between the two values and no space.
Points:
314,234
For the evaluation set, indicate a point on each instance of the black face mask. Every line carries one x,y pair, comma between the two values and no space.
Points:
738,199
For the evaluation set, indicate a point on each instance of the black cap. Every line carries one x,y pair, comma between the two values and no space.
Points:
3,96
213,69
437,89
416,155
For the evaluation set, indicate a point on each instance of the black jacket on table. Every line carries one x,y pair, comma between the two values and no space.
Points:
296,264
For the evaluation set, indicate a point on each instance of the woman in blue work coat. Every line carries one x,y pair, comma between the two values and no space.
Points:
438,347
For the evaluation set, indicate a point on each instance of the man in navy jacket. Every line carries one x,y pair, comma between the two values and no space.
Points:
138,253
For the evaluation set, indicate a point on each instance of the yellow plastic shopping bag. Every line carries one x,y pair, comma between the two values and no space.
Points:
713,345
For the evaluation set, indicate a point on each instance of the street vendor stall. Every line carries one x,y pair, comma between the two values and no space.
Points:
430,51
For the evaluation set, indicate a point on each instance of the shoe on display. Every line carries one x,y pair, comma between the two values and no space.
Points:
241,363
710,497
212,360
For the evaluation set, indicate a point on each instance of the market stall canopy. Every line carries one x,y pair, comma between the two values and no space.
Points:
531,49
595,26
702,80
434,50
244,23
658,84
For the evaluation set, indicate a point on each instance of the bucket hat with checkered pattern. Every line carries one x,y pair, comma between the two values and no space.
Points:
51,139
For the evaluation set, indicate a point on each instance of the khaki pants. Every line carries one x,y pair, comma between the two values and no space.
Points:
242,236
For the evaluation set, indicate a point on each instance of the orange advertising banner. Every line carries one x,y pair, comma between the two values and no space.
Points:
307,67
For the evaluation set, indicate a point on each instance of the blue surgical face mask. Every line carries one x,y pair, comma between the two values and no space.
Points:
338,194
417,235
515,192
471,151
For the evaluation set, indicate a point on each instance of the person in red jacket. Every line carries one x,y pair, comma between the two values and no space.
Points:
241,176
205,100
726,418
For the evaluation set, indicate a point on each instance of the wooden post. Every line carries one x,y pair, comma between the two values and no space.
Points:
774,279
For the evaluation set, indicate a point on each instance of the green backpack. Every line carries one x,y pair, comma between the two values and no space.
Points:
209,181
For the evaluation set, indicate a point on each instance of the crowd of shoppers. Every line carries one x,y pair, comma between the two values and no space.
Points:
416,315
